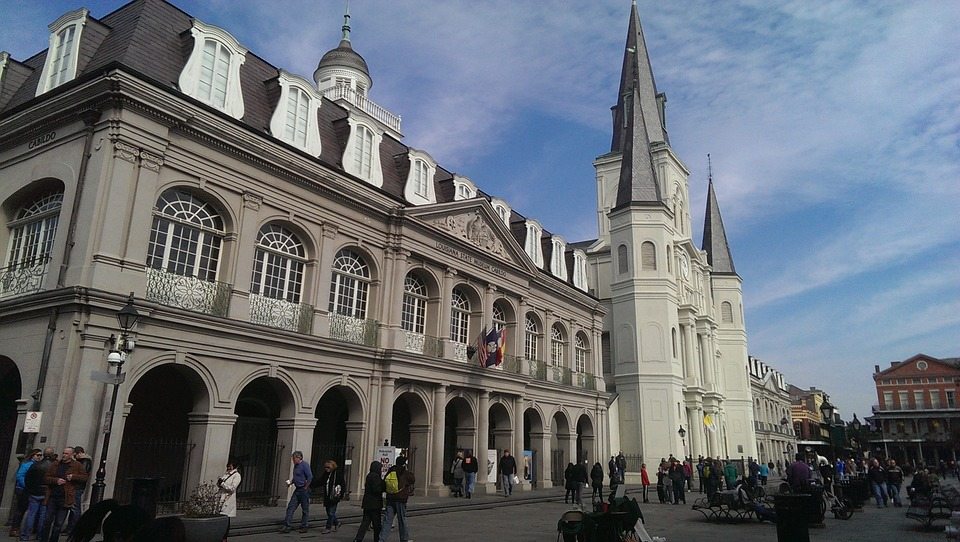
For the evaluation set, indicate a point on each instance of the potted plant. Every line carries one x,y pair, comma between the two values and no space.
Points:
201,518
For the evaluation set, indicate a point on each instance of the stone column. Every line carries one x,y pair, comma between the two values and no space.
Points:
542,467
693,442
437,464
321,325
483,426
244,255
360,457
517,448
690,362
293,434
211,434
446,297
387,385
420,441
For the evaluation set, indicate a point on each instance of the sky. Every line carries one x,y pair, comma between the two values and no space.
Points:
833,128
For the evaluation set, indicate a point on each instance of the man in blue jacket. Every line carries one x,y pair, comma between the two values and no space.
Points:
300,480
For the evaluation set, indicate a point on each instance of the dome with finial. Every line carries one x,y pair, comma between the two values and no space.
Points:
343,57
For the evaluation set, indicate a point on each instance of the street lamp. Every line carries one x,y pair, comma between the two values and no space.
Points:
683,433
120,346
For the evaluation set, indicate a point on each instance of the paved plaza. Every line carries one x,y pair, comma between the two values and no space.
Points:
532,516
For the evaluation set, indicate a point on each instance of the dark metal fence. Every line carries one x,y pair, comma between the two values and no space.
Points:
340,453
259,464
557,466
633,462
166,459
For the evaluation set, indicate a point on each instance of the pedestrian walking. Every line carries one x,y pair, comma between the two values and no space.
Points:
582,478
508,470
688,473
372,503
622,466
700,465
764,473
80,455
677,480
331,480
21,500
33,494
228,482
470,468
798,474
878,480
456,469
300,480
662,481
645,481
614,473
399,484
61,479
596,481
894,481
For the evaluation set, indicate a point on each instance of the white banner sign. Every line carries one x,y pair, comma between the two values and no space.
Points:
386,455
32,422
492,466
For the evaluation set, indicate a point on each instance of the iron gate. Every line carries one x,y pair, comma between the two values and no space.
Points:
557,466
166,459
340,453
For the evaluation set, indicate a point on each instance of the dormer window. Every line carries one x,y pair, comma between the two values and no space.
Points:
532,243
580,270
295,118
361,156
62,54
558,261
212,73
463,188
419,188
502,210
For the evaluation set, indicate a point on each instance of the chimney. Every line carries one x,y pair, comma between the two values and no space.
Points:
876,368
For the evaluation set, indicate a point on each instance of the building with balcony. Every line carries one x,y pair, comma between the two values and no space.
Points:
809,425
674,325
306,280
917,417
771,412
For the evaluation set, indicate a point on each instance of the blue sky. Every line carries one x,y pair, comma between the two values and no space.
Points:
834,129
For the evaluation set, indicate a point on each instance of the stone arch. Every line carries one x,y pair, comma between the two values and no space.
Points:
501,425
339,431
562,442
11,388
459,431
159,435
435,296
535,439
231,222
586,439
210,392
411,427
310,243
372,260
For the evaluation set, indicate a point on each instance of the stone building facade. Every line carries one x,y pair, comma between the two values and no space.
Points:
776,441
306,280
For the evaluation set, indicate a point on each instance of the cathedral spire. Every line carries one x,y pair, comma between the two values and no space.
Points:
638,120
346,24
714,236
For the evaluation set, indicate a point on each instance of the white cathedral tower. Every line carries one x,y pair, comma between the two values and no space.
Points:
675,345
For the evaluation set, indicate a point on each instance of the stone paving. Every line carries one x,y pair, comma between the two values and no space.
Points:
532,516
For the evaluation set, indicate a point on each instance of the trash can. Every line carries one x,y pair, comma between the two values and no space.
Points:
144,494
859,492
815,506
791,517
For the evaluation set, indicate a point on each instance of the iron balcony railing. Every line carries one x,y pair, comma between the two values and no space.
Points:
353,330
561,375
460,351
280,313
190,293
364,103
23,278
586,381
419,343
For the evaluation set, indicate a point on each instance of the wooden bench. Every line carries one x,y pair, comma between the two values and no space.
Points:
725,507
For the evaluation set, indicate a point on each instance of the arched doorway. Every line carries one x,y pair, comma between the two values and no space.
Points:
10,390
458,432
254,443
536,442
338,432
560,446
156,439
585,440
410,429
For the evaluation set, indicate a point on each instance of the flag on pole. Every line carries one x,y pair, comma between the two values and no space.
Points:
482,348
490,347
501,346
709,423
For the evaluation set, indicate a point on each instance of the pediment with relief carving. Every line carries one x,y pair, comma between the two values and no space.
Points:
473,228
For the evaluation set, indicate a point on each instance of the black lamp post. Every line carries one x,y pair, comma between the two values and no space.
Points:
683,433
120,346
828,410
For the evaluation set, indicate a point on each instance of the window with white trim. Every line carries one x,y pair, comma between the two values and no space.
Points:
532,245
33,230
580,270
295,128
363,151
558,260
459,317
420,178
530,338
186,236
350,285
63,52
648,256
361,154
580,354
557,346
413,313
502,210
212,73
463,188
278,264
934,399
726,312
294,120
419,187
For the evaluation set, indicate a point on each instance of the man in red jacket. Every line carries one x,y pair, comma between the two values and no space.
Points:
62,480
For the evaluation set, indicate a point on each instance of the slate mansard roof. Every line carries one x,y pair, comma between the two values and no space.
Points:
151,39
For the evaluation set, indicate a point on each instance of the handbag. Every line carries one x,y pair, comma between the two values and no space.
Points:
516,479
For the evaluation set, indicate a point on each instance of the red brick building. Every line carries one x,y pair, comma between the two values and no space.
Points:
917,412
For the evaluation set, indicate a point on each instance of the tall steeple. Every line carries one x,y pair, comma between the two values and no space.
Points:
714,236
638,120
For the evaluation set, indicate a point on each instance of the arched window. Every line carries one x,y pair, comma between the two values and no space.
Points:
556,346
648,256
579,354
214,73
350,285
531,335
414,311
459,317
499,317
363,151
278,264
186,236
298,106
623,260
726,312
32,231
673,336
420,178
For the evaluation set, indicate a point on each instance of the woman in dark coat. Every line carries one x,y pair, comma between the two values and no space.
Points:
333,485
569,483
596,480
372,503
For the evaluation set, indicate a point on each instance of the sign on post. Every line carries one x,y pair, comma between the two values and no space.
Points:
32,422
387,455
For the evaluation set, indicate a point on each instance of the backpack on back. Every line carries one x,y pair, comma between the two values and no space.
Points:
392,483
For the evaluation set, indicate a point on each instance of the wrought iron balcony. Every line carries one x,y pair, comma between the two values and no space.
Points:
23,278
281,314
585,380
422,344
190,293
537,369
460,351
561,375
353,330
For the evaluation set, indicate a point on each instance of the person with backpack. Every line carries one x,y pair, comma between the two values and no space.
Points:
372,502
399,484
470,469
